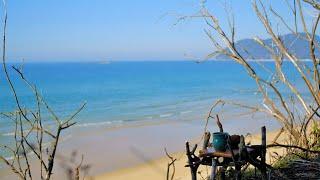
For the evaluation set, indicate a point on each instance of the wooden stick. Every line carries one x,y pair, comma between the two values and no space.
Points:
191,161
206,140
278,135
219,123
213,169
263,153
293,146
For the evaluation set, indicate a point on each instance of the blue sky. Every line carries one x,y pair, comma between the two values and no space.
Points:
91,30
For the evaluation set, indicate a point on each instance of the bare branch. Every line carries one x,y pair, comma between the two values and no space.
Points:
313,3
172,161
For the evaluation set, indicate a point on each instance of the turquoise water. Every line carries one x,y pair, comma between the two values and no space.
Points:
124,92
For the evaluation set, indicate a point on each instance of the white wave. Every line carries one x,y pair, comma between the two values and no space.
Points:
12,133
9,158
99,123
166,115
8,134
185,112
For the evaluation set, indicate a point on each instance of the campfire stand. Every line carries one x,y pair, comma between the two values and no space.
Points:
238,157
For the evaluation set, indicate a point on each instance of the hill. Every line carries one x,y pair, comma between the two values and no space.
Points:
297,46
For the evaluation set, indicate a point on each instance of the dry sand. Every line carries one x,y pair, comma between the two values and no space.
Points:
156,169
137,152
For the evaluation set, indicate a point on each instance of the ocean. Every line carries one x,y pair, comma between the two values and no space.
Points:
120,93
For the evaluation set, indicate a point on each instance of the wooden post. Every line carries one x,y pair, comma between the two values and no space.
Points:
223,173
238,171
213,169
192,159
219,123
238,164
242,148
263,153
206,140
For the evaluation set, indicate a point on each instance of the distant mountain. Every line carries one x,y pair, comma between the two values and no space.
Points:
249,48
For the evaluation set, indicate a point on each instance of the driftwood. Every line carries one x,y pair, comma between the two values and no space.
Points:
239,157
206,140
193,160
219,123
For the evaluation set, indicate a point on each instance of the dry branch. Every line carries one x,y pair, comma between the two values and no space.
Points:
30,131
287,110
170,164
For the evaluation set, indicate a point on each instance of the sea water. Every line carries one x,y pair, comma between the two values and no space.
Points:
119,93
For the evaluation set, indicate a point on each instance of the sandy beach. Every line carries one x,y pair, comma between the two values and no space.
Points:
137,151
157,168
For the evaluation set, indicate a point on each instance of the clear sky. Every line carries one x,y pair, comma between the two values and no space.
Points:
91,30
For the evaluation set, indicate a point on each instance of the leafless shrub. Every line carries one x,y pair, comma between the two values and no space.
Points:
31,136
73,168
298,114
